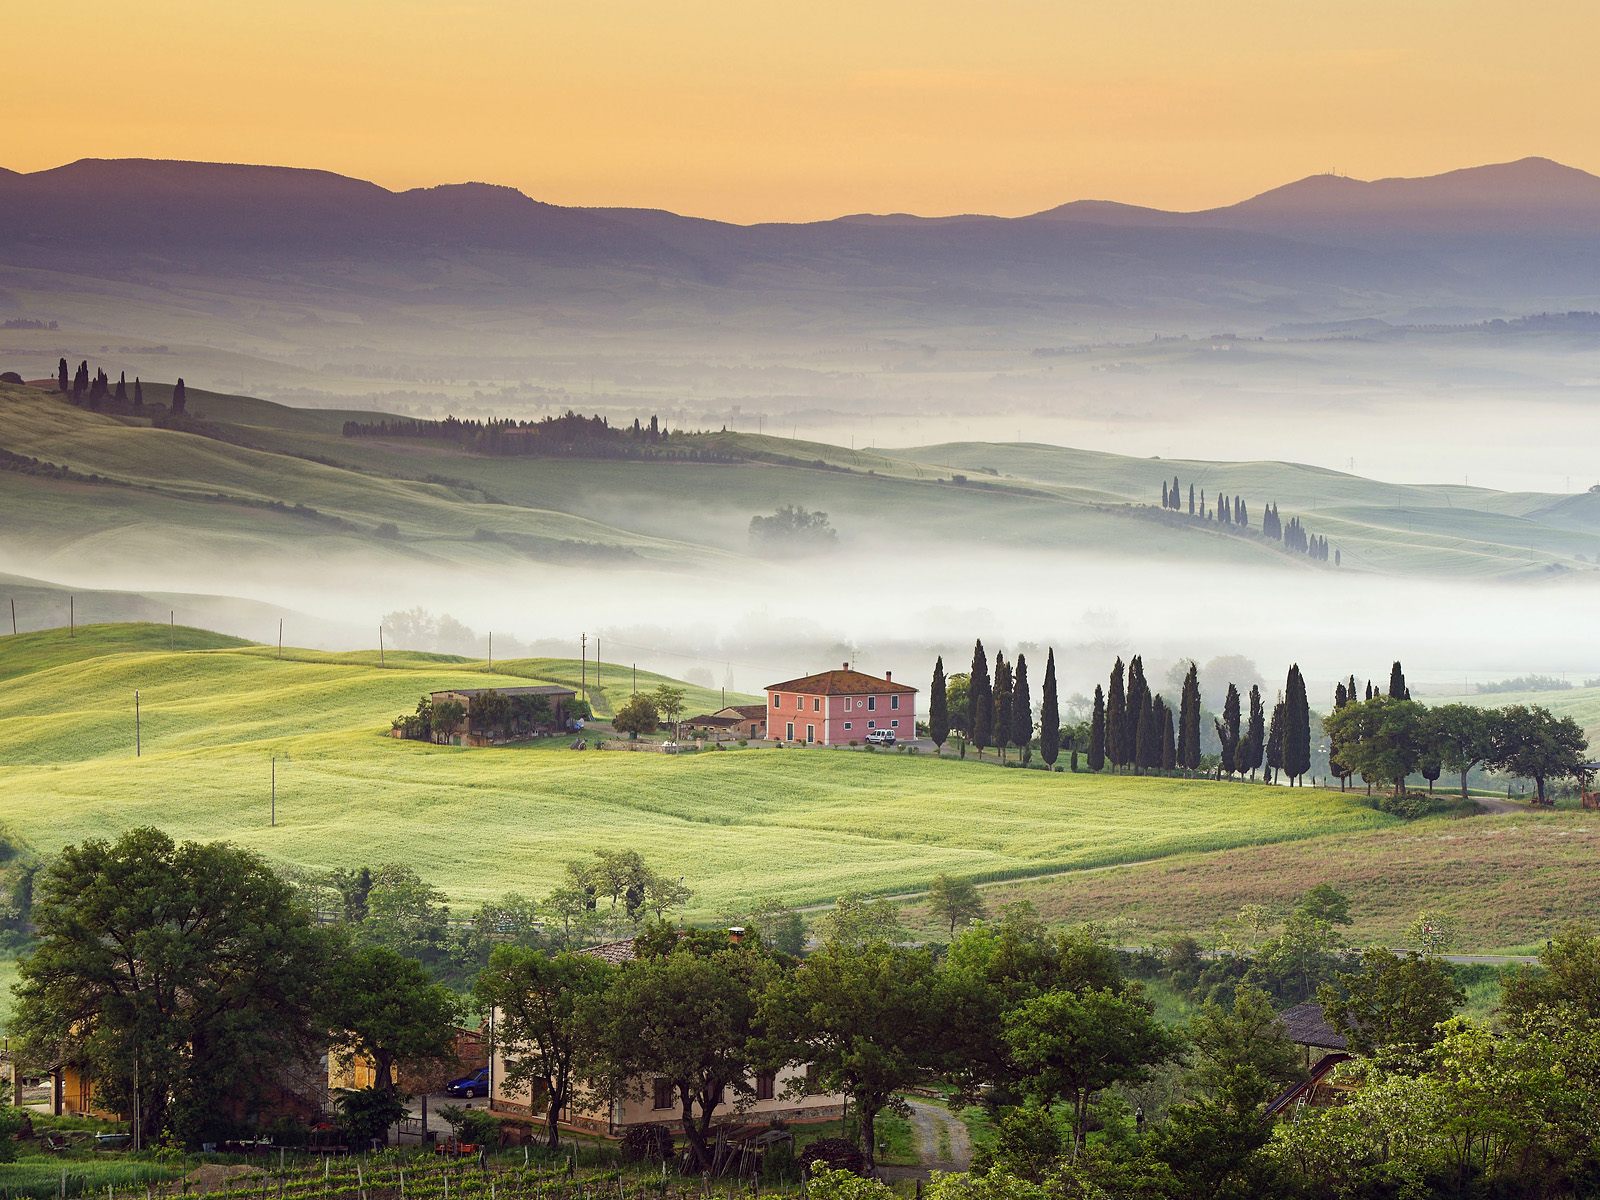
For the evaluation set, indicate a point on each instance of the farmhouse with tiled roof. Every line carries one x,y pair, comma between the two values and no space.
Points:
838,707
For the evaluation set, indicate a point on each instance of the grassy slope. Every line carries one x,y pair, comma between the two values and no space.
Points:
741,825
209,494
1510,881
1386,527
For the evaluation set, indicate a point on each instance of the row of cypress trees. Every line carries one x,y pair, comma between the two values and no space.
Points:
81,388
999,711
1131,726
1232,510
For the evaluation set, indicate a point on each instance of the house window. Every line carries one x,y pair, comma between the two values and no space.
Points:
872,704
662,1093
777,700
894,701
813,1078
895,724
816,704
788,731
847,724
872,724
766,1085
811,733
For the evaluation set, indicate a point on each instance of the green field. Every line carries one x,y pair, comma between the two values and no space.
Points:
1509,881
742,826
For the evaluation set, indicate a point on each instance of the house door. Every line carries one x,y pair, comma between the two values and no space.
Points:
811,733
788,732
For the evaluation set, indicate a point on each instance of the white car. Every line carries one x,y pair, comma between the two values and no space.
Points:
669,747
881,737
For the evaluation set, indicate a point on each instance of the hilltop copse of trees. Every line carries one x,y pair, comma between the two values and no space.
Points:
1231,512
570,434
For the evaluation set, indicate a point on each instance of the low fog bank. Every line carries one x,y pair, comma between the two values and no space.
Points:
747,624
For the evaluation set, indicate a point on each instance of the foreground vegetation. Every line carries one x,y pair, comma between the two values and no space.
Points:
1087,1091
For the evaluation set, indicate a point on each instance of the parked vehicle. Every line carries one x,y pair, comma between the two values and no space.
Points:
475,1084
880,737
669,747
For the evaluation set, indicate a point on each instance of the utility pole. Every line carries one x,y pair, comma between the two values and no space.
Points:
280,637
13,616
583,664
597,662
380,647
72,616
138,739
635,679
491,650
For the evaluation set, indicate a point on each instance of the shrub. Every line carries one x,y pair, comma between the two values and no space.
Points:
647,1143
779,1164
12,1122
826,1184
831,1154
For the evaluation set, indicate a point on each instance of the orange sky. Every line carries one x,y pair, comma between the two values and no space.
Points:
755,110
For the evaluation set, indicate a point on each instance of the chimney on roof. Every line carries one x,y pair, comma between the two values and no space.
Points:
846,666
888,676
735,934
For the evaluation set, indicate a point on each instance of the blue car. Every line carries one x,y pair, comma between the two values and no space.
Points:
475,1084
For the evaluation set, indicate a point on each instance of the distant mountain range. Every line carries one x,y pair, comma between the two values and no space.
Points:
270,251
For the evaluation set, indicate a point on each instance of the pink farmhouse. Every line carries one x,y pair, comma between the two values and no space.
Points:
838,707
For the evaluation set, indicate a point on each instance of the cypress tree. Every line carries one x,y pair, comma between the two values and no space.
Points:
1000,729
122,387
1397,683
1147,748
938,707
980,715
1174,493
1116,718
1297,727
1169,740
180,399
138,393
62,384
1189,721
1097,731
80,381
1166,499
1341,697
1191,499
1248,756
1137,703
1228,729
1275,741
1049,714
1021,709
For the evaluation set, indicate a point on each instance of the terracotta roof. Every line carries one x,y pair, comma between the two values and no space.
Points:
616,953
1307,1026
711,720
750,712
843,682
541,689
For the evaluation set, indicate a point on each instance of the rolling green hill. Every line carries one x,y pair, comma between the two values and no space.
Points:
276,485
740,825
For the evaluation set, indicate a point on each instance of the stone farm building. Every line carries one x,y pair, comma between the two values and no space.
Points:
748,721
653,1101
557,697
839,707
